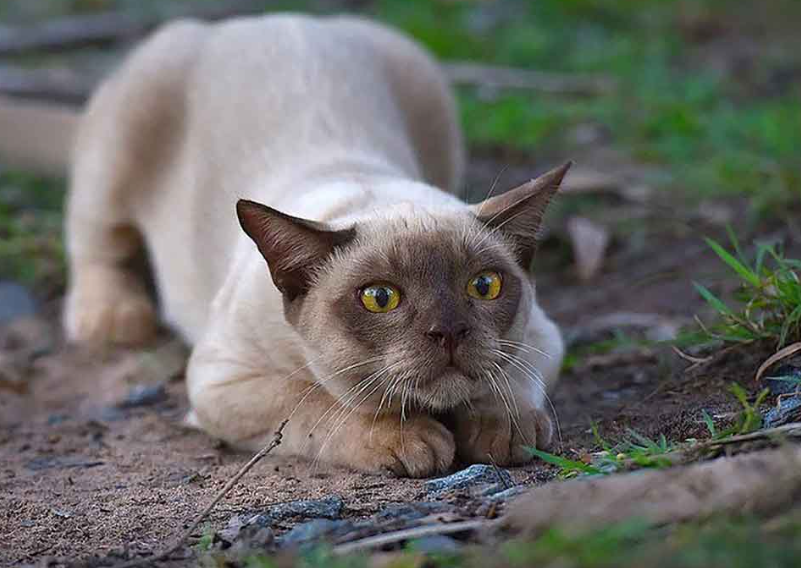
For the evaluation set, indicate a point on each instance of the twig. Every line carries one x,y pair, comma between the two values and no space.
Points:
776,357
79,31
497,472
276,441
464,73
406,534
57,85
792,430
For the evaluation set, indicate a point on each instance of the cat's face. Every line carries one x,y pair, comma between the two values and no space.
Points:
414,307
409,306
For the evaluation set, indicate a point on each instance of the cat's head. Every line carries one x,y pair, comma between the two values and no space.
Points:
408,306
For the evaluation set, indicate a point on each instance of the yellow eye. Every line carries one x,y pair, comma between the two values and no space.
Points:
485,285
380,298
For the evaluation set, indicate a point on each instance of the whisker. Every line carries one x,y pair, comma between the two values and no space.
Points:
533,374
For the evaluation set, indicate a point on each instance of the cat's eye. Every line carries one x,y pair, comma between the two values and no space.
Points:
380,298
485,285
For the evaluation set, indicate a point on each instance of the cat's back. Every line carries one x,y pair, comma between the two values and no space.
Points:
293,86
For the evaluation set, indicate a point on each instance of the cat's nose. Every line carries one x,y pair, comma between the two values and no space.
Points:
448,335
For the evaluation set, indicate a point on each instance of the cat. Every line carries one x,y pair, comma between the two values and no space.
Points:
293,181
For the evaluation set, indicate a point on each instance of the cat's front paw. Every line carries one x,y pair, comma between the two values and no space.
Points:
418,447
493,436
109,306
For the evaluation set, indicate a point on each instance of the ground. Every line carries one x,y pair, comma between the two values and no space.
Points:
702,134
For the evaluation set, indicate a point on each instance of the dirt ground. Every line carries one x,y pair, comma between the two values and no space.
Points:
90,471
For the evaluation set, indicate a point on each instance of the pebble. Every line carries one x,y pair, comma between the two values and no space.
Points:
312,531
470,477
781,380
436,544
143,395
15,302
786,411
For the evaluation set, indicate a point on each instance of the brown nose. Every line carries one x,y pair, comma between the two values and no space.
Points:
448,335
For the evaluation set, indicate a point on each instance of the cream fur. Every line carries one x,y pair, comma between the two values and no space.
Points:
257,108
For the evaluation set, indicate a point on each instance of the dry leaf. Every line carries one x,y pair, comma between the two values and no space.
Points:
589,241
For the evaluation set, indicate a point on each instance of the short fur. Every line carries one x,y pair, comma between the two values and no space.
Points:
336,133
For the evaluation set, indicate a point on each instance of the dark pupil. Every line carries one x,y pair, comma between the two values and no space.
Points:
381,297
483,285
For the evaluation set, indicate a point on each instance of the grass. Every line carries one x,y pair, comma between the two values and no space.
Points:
31,249
748,419
633,452
712,128
740,542
767,303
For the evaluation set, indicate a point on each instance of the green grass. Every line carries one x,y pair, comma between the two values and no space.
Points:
31,249
742,542
635,451
713,130
767,303
748,419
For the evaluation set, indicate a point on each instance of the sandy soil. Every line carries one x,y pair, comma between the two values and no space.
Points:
85,474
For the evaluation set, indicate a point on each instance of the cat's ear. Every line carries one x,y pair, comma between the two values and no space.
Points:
292,247
518,213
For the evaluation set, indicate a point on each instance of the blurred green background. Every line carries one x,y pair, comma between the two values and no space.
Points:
702,95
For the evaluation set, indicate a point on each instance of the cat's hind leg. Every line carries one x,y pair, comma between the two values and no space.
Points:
124,154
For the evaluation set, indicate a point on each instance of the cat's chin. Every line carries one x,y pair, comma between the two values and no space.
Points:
447,391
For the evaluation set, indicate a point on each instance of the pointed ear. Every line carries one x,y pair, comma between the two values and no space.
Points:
291,246
518,213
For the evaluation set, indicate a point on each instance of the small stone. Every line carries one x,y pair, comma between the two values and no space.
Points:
784,380
328,508
436,544
144,395
468,478
787,410
412,511
505,494
15,302
315,530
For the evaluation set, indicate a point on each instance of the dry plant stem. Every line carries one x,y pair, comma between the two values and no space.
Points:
407,534
464,73
776,357
276,441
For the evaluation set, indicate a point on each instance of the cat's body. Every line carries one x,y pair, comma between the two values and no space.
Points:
350,125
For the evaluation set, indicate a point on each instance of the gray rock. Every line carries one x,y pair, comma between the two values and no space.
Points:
471,477
144,395
506,494
313,531
15,302
784,380
787,410
436,544
328,508
407,512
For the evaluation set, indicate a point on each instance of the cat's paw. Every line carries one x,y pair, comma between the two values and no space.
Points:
109,310
421,447
491,436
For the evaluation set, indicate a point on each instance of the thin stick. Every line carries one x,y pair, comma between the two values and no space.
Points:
276,441
406,534
466,73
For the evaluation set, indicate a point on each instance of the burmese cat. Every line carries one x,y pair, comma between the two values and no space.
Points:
394,325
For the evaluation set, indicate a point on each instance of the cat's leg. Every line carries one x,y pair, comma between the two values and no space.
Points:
245,405
124,151
106,300
516,413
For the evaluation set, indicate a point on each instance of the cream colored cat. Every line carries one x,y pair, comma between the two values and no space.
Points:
394,325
